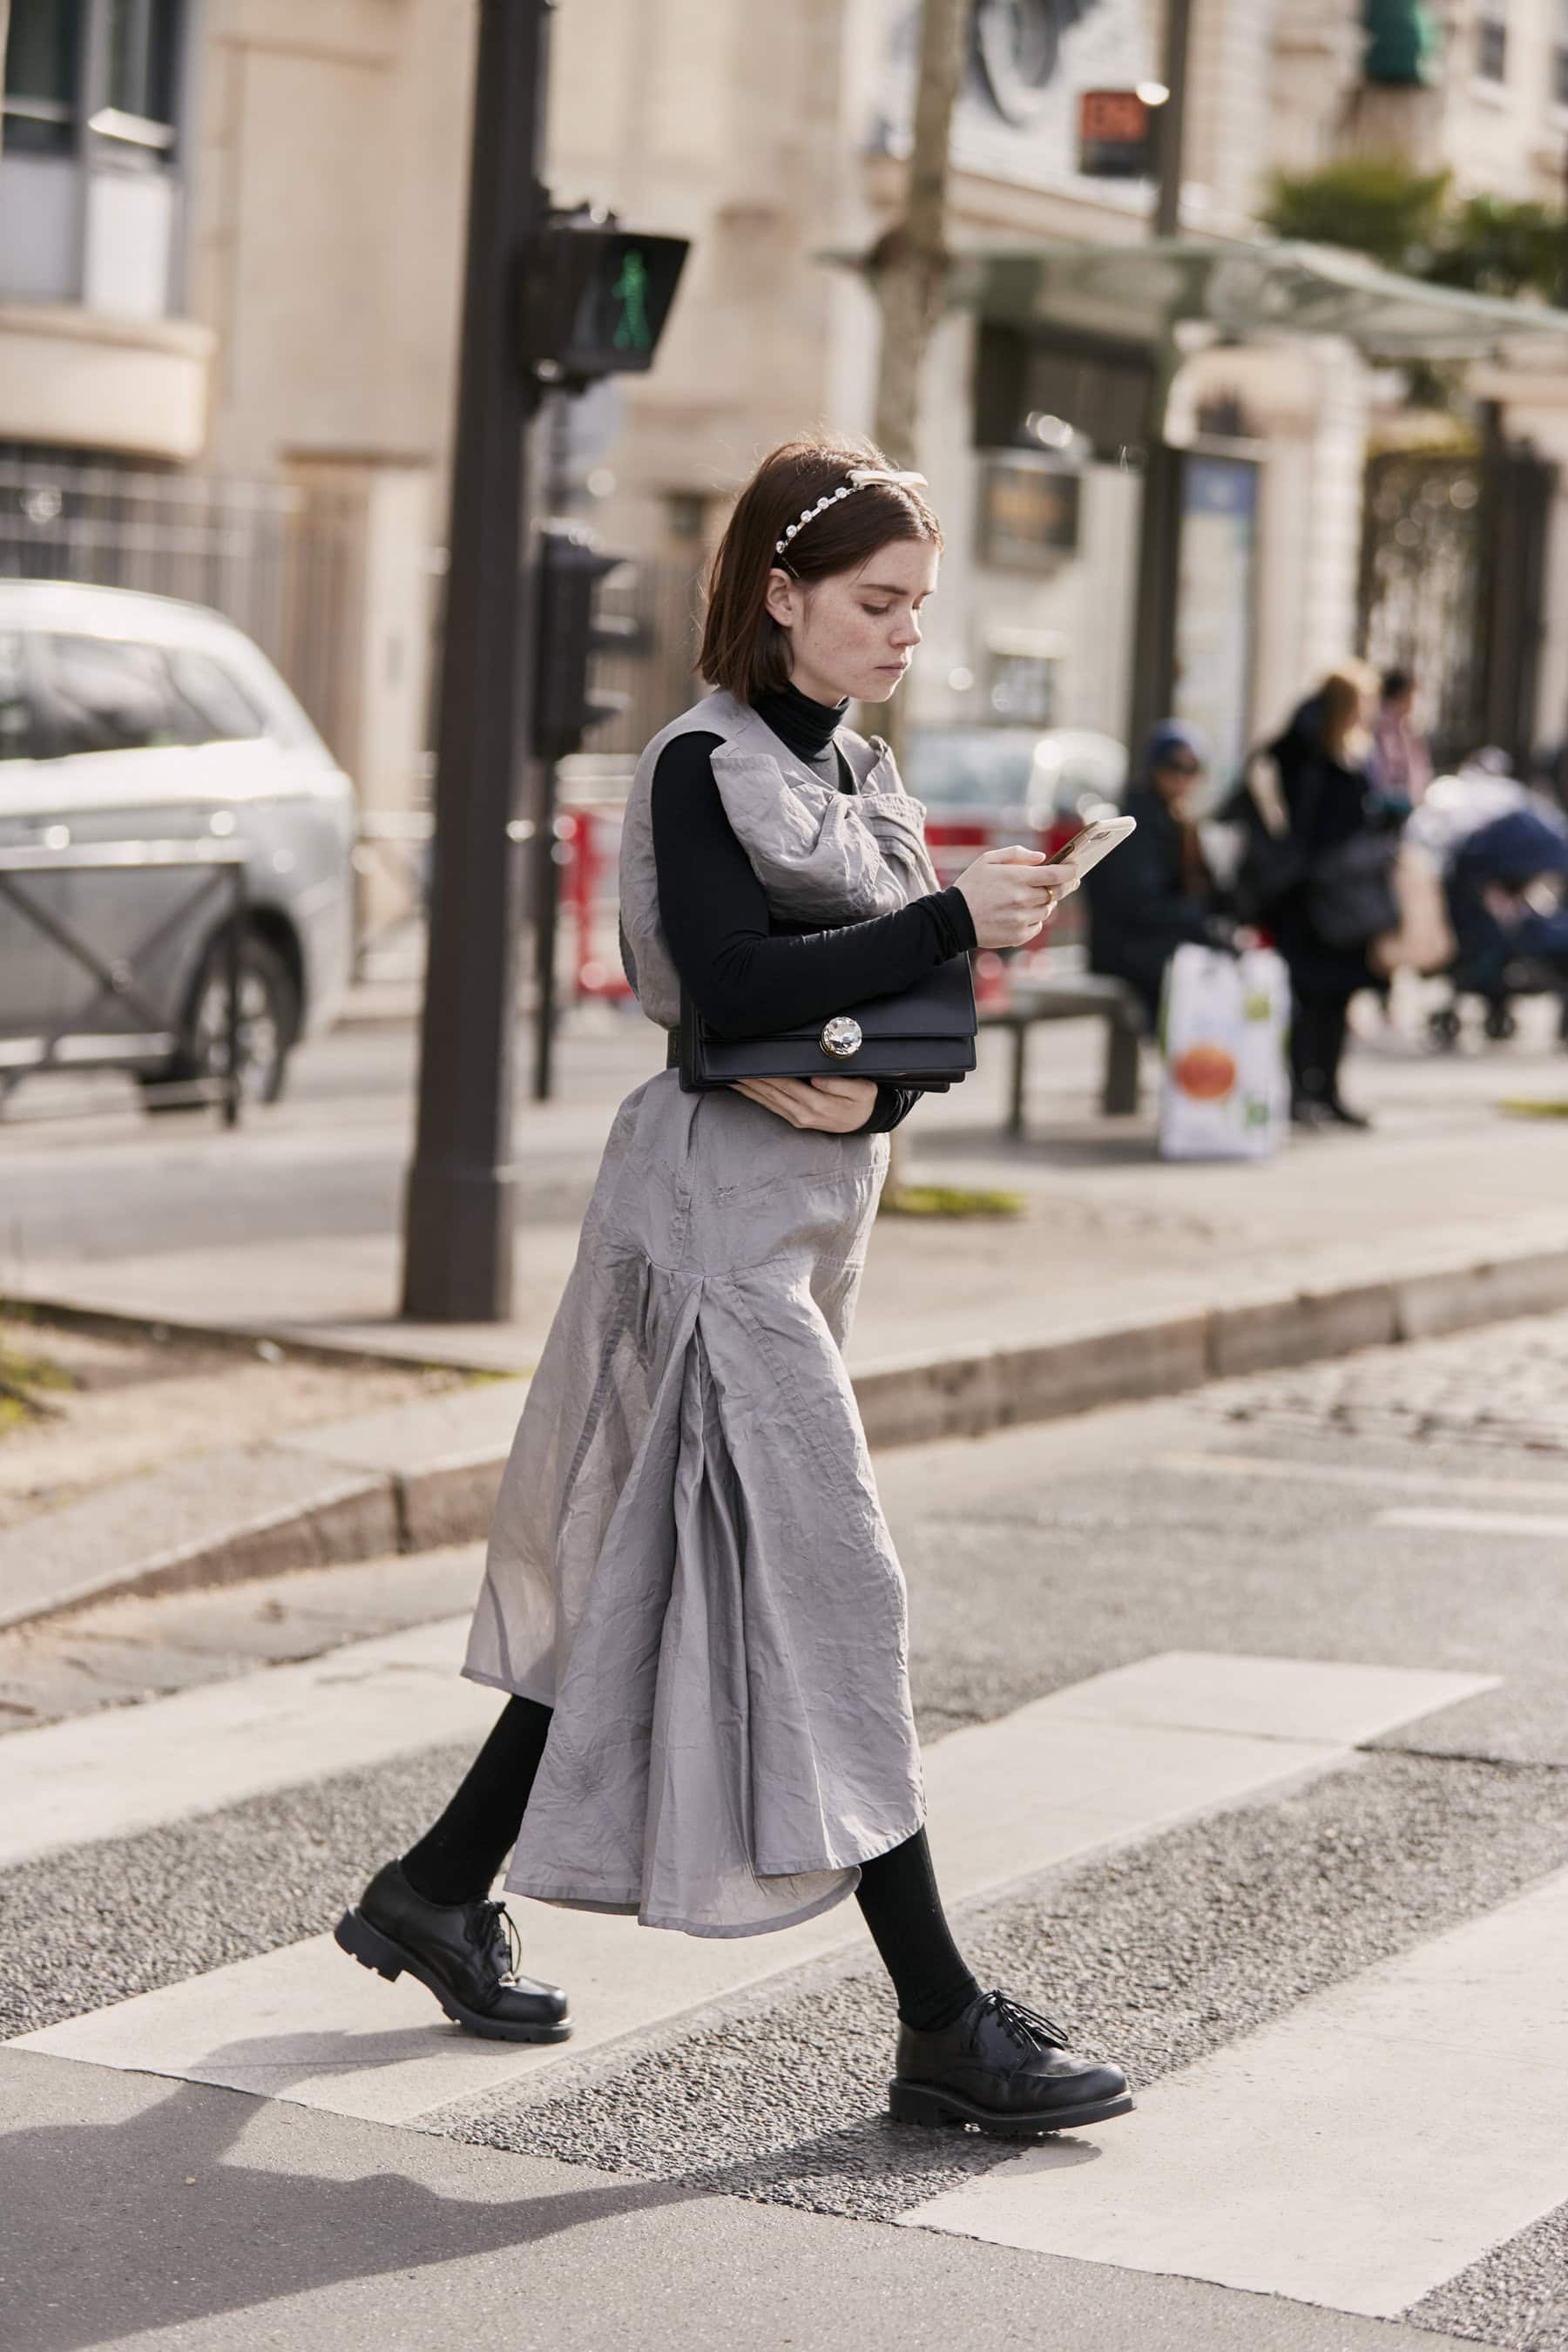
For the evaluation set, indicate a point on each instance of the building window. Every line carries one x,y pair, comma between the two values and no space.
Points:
1491,40
42,72
88,177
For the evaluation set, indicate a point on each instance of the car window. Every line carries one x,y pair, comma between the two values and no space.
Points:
978,769
16,706
213,705
107,695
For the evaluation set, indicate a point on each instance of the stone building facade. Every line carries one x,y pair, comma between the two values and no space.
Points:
249,263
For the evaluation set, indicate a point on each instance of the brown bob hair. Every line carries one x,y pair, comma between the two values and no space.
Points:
744,647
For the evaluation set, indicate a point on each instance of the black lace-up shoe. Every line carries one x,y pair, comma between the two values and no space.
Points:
466,1953
1005,2068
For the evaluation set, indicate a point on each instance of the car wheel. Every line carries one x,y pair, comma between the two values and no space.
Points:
268,1025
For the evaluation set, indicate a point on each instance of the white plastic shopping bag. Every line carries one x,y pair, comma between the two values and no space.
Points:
1224,1022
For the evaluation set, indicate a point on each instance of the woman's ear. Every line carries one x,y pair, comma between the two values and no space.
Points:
782,604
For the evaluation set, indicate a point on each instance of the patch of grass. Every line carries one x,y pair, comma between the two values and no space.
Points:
1529,1106
24,1381
950,1200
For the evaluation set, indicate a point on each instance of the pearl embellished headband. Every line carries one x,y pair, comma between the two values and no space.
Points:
860,477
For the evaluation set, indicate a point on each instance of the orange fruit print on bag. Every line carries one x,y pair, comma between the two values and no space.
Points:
1208,1073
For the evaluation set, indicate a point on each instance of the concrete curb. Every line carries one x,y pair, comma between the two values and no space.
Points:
427,1474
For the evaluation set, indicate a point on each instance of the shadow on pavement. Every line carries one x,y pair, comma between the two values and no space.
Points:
116,2228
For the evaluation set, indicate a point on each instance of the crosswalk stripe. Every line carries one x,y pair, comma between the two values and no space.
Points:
1479,1523
1369,2145
134,1768
1098,1764
1273,1468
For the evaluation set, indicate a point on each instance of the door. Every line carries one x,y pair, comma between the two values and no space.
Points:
32,967
121,769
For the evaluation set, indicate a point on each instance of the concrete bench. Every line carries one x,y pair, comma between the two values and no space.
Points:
1084,996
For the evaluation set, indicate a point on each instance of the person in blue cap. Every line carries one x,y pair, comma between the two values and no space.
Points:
1156,894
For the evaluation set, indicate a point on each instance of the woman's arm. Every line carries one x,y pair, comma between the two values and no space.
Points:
746,980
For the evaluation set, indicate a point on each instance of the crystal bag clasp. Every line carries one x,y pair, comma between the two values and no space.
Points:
841,1037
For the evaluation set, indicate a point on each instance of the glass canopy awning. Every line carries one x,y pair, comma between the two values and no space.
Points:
1138,294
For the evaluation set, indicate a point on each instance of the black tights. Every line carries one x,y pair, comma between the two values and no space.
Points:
457,1858
1318,1027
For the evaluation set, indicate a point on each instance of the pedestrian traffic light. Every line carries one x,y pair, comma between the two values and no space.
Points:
568,633
595,298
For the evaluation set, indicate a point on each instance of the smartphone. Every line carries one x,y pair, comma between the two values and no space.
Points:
1097,840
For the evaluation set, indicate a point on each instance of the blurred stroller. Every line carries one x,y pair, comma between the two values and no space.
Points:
1502,853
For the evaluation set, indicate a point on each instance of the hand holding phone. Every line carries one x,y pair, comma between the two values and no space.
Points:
1096,840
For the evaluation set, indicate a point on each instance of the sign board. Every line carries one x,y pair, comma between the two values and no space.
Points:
1027,513
1215,605
1115,135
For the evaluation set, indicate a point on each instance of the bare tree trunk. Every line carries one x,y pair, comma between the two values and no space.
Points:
908,262
908,269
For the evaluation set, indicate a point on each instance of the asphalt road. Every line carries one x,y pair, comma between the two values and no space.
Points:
732,2174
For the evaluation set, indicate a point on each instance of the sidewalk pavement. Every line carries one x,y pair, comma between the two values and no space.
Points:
1124,1277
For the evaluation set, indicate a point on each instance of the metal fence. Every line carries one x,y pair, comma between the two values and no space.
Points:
283,562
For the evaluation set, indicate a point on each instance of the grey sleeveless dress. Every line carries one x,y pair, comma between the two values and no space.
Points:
689,1560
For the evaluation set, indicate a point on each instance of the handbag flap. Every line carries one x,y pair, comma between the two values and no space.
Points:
940,1004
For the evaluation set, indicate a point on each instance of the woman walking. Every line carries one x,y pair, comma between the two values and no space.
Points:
691,1596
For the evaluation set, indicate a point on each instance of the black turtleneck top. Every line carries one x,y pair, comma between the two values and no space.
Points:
747,974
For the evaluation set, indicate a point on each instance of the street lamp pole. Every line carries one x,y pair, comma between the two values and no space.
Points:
1173,118
462,1185
1160,522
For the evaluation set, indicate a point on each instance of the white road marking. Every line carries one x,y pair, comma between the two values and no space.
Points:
128,1769
1396,1482
1476,1522
1099,1764
1370,2145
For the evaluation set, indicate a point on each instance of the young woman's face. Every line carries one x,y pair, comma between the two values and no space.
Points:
854,633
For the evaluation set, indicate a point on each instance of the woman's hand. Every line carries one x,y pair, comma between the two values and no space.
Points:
1012,895
833,1105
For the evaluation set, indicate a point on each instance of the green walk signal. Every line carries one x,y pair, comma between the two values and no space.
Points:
632,332
594,299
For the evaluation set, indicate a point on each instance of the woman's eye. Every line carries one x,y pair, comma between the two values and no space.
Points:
879,611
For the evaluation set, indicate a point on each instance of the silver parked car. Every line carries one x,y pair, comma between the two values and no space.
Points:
1017,779
130,718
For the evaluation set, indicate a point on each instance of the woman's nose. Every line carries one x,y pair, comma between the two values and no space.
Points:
907,632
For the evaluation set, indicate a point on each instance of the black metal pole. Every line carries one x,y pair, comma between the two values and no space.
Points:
1173,118
546,872
1160,522
462,1186
546,930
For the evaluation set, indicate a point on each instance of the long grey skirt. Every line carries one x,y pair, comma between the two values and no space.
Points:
689,1560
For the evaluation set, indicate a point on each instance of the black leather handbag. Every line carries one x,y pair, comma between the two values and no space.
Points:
922,1038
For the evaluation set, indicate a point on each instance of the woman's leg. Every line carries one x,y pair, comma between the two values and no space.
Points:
458,1857
899,1903
428,1914
964,2055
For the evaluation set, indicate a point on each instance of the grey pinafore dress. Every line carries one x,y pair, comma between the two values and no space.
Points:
688,1561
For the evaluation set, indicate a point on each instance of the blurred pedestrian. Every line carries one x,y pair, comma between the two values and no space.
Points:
1401,762
1157,893
691,1595
1319,875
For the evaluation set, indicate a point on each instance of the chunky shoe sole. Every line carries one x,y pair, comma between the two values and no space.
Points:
923,2103
354,1934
